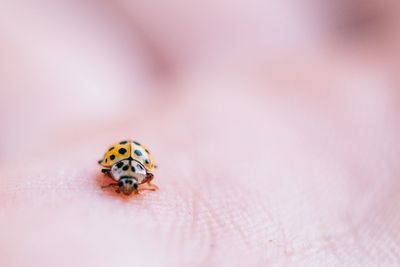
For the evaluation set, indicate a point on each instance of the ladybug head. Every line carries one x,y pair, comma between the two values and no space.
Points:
128,185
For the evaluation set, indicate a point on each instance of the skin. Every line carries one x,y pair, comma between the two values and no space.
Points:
268,154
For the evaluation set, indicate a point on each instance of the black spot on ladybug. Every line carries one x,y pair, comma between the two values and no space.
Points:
136,143
123,142
122,151
112,157
146,161
135,186
106,160
120,164
133,168
111,148
138,152
120,183
140,167
125,168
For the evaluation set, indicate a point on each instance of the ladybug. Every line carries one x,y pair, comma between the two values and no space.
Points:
130,165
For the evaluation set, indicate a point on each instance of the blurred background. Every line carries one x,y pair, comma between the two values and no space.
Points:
67,64
284,114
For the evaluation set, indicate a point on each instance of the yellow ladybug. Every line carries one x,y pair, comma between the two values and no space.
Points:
130,164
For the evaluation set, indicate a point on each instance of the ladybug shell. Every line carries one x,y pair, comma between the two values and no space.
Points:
125,150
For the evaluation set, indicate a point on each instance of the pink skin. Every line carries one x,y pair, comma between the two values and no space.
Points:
267,156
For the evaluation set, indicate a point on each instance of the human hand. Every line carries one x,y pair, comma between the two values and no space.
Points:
254,169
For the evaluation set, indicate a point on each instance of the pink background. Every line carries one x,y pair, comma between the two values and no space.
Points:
275,126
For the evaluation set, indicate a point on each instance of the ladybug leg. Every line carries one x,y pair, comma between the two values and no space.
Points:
150,186
106,172
110,185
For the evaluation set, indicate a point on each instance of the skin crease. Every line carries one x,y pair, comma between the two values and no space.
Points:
267,156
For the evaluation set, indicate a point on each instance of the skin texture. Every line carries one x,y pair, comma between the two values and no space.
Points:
268,153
